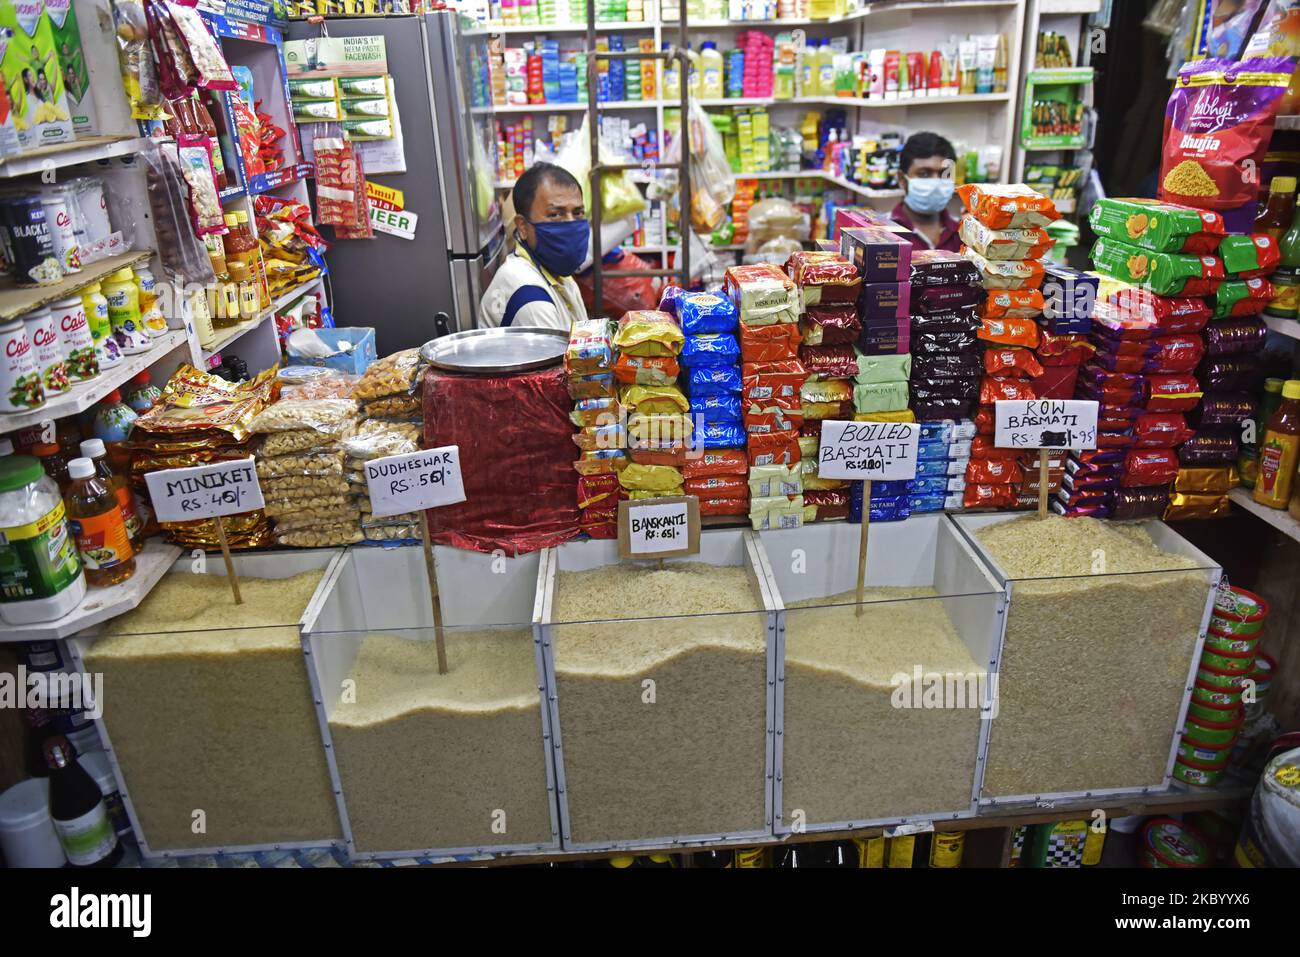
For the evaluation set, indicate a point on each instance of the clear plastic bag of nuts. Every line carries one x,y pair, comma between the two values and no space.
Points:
285,507
302,440
392,375
374,439
321,536
311,463
303,486
322,415
308,517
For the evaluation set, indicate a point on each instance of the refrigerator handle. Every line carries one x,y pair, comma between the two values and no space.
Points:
441,324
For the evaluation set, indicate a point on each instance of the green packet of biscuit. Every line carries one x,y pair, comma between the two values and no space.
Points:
1161,227
1165,274
1246,256
1242,297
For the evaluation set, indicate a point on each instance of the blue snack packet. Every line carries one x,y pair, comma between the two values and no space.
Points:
715,349
705,313
702,380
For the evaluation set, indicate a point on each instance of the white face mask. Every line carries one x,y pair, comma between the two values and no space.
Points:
929,196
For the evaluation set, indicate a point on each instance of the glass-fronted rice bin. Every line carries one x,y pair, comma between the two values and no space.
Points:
208,715
660,678
898,684
424,761
1105,624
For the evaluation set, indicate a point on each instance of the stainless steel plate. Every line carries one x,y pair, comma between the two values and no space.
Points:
496,351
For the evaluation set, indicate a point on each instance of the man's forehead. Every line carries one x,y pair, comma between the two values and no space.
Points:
559,194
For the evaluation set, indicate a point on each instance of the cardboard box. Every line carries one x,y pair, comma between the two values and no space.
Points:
31,75
1069,295
880,255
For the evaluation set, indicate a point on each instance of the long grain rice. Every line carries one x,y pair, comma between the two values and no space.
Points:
849,754
209,708
443,761
1100,634
691,762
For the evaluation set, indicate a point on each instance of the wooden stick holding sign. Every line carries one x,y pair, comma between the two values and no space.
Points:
415,482
870,451
1045,424
208,491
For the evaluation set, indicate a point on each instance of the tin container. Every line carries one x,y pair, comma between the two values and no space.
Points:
47,351
30,244
75,339
58,204
20,380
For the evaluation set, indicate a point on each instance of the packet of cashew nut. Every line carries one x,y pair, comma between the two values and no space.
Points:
390,375
321,536
320,415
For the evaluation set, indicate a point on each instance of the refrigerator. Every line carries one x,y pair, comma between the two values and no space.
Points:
411,290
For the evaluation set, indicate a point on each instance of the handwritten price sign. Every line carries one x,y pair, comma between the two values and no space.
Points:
415,481
1045,424
659,528
205,491
878,451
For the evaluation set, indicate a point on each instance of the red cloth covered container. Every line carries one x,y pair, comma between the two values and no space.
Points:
516,459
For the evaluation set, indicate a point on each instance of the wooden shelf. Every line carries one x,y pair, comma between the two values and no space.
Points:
226,336
17,301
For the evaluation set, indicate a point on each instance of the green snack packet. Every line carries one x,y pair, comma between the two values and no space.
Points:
1242,297
1162,227
1249,255
1165,274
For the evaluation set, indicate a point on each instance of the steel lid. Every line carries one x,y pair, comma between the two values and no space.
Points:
496,351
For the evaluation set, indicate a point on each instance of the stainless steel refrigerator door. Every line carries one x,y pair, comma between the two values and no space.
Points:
396,285
470,279
464,130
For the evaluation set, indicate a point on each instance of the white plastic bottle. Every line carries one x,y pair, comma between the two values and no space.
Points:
711,69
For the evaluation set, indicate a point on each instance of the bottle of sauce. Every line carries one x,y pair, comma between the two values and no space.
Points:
223,297
141,394
1279,452
256,263
54,462
1286,278
98,526
123,295
1275,218
241,248
78,811
101,329
94,450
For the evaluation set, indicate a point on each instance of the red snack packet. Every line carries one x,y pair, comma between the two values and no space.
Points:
772,380
987,495
724,506
1179,392
1176,354
993,471
772,419
828,326
1010,332
718,486
646,370
1217,128
1011,361
674,455
996,388
597,488
985,421
774,448
1114,438
1056,382
769,343
1013,304
1161,430
1166,313
716,462
982,447
830,362
1149,467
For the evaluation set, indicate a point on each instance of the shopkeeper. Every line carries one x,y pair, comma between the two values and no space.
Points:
535,285
925,172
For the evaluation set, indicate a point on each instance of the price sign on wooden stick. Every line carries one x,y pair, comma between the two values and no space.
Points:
870,451
207,491
1045,424
414,482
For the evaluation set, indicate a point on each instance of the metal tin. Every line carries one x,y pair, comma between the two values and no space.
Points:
44,336
34,261
496,351
59,204
75,340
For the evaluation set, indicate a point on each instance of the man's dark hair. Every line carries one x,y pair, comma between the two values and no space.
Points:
921,146
526,186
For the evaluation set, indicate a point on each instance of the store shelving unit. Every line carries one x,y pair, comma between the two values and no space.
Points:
975,119
85,150
101,604
1279,518
264,343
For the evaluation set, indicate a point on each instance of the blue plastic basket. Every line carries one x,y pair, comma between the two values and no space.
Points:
355,362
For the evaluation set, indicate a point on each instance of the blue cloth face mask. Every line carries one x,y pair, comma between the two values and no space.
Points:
929,196
561,247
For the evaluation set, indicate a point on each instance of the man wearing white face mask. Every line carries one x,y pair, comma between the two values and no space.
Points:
925,169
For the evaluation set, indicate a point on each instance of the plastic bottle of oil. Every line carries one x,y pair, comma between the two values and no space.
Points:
98,526
95,450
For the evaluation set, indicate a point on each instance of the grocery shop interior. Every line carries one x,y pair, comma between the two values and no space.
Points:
620,434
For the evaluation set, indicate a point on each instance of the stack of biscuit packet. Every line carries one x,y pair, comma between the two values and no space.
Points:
391,423
300,470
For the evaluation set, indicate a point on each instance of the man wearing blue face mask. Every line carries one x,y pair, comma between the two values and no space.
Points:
535,285
925,172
